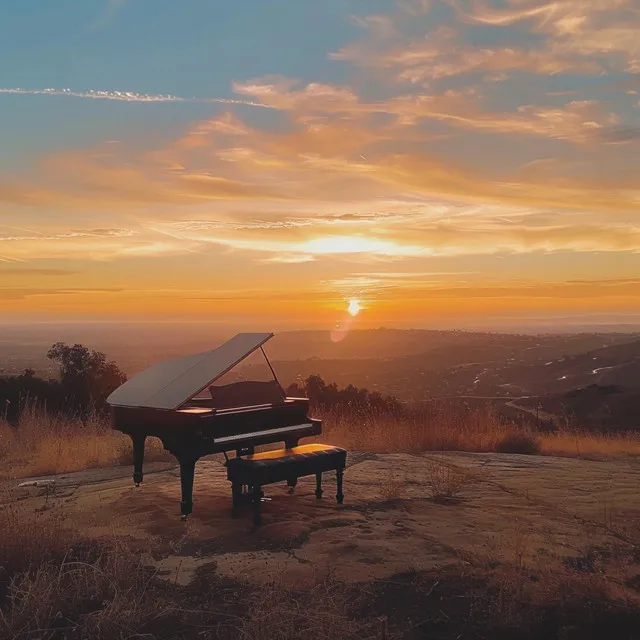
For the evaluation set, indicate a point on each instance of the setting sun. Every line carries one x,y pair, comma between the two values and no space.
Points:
354,307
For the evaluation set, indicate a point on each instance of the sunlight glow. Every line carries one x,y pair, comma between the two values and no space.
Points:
357,244
354,307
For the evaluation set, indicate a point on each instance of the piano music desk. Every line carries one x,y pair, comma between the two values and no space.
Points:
282,465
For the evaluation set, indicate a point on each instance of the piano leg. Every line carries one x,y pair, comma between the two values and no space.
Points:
236,497
257,501
187,470
319,485
339,494
138,458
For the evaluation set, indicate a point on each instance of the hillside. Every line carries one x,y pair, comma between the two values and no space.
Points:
471,364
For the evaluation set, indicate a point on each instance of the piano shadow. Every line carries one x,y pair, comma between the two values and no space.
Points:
287,518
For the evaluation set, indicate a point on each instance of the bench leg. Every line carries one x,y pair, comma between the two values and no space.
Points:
187,470
291,483
339,494
318,485
138,458
257,502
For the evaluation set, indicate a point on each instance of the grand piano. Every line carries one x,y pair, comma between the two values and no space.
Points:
185,403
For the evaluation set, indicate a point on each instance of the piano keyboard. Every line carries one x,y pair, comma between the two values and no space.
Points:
258,434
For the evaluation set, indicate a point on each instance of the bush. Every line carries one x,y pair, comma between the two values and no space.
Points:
519,442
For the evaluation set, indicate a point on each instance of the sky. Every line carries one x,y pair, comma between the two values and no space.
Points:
281,162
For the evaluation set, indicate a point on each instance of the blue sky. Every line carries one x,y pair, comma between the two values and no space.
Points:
195,49
425,156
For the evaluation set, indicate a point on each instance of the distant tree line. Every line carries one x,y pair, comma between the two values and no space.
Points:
355,399
86,378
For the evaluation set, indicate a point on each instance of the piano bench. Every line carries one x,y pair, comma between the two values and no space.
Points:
282,465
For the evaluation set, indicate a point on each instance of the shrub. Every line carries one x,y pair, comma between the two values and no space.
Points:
519,442
446,481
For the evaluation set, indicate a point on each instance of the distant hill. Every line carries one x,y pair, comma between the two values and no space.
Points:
599,407
454,364
614,364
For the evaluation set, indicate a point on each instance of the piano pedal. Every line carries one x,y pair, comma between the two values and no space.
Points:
264,499
183,517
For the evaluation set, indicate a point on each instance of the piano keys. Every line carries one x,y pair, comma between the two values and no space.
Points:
179,402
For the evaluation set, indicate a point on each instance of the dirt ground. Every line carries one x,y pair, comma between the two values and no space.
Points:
395,519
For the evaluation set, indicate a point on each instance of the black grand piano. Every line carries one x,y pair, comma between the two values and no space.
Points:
187,405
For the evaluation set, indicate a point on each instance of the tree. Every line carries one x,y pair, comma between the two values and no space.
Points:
352,398
86,376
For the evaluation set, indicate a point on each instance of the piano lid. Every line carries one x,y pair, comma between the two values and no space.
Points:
170,384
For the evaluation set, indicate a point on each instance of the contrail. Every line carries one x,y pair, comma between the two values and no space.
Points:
129,96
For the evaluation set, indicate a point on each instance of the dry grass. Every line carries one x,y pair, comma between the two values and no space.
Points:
520,441
394,487
479,431
46,443
427,430
446,481
87,591
55,584
582,444
28,539
561,602
323,611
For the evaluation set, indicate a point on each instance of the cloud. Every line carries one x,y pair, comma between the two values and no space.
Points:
436,166
15,293
35,271
128,96
605,30
418,232
79,244
443,54
109,12
88,233
382,287
579,121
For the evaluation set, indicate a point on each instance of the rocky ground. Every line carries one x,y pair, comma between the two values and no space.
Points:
402,513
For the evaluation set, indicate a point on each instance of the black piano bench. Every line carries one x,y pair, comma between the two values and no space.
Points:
284,465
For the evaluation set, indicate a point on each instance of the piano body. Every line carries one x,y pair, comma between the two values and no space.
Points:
166,401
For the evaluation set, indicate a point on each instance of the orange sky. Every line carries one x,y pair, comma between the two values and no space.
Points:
466,160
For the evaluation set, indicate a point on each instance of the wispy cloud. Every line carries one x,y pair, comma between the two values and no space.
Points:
129,96
108,13
11,293
13,272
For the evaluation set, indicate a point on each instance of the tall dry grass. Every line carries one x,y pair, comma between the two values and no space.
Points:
45,443
480,431
55,584
428,429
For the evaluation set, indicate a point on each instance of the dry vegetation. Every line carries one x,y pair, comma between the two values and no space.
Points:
479,431
54,585
47,444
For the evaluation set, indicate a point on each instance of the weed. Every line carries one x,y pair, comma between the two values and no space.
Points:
446,481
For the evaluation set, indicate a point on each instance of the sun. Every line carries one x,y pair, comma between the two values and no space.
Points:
354,307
